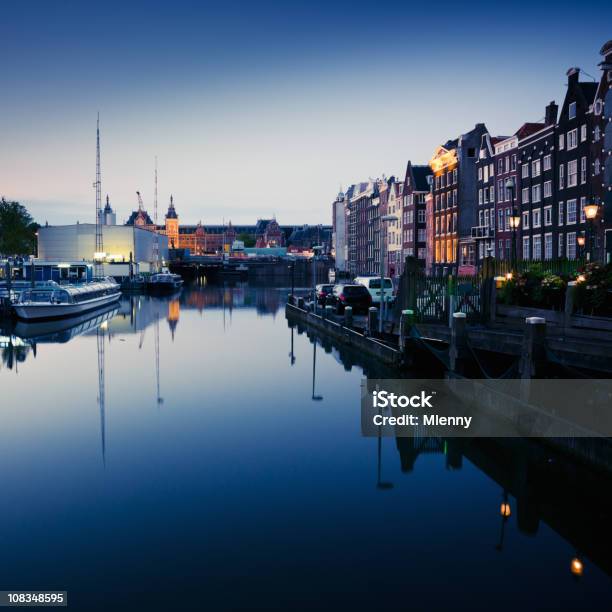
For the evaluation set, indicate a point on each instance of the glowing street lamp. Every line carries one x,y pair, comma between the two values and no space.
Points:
590,212
576,567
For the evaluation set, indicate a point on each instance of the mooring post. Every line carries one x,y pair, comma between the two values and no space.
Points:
300,303
405,327
328,311
570,294
348,316
459,342
372,320
533,355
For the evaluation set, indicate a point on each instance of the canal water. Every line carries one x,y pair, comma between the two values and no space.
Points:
196,452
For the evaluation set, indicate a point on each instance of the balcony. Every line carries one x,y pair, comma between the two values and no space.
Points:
483,232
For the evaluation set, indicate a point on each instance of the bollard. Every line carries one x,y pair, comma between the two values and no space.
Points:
328,312
348,316
300,303
570,294
290,299
372,320
533,354
405,327
458,351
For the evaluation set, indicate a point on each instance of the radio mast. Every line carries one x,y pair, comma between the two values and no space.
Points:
156,240
98,187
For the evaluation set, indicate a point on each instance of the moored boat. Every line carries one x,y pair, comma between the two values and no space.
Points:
164,282
55,301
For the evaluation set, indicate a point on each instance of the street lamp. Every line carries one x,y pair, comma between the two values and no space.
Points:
314,275
581,240
383,296
515,219
590,212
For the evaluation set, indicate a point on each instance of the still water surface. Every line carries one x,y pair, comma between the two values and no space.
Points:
214,472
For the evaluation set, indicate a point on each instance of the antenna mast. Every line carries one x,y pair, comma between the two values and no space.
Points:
98,187
156,241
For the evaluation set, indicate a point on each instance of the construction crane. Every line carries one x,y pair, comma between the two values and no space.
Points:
98,269
140,204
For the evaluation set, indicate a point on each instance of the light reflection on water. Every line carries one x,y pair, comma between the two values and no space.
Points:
219,459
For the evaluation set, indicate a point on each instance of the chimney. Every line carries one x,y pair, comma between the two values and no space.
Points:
572,75
550,115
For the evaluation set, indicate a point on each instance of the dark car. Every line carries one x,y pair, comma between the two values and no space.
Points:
355,296
322,291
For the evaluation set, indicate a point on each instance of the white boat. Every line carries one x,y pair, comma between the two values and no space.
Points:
55,301
164,282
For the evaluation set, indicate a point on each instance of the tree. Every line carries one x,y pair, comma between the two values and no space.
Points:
17,229
248,240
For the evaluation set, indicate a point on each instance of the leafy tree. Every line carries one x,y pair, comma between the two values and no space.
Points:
248,240
17,229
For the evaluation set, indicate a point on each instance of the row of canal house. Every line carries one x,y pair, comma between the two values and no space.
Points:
521,195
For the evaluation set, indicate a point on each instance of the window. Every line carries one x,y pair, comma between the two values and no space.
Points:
500,222
548,215
508,244
596,134
513,163
492,215
480,218
561,245
507,220
480,196
536,217
547,162
596,167
500,251
525,195
583,132
536,193
486,195
422,237
560,213
571,245
561,142
548,246
455,176
583,170
500,191
479,173
525,171
485,173
571,212
500,166
561,176
421,216
548,189
491,169
572,139
526,220
526,249
507,164
582,214
537,246
536,168
572,173
572,110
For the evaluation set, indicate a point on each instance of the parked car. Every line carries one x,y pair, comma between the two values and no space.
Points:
356,296
321,292
372,284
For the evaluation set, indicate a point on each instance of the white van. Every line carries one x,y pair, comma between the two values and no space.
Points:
372,284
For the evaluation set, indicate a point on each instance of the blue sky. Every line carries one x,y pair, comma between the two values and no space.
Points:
255,109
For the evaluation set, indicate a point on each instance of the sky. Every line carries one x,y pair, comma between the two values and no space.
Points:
261,109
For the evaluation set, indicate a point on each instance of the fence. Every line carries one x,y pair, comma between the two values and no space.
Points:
560,267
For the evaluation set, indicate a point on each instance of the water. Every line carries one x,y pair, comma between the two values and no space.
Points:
231,481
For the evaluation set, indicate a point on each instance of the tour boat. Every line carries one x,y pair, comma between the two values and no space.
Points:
164,282
54,301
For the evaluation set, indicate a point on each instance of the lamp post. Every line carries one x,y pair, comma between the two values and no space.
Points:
590,212
505,511
383,296
314,276
515,219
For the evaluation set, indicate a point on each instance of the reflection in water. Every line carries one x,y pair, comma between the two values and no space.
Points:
250,473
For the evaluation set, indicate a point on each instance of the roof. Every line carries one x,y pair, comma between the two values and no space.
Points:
420,174
527,129
134,216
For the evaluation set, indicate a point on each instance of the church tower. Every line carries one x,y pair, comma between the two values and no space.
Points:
172,226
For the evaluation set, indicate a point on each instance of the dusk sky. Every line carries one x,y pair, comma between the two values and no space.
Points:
259,109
